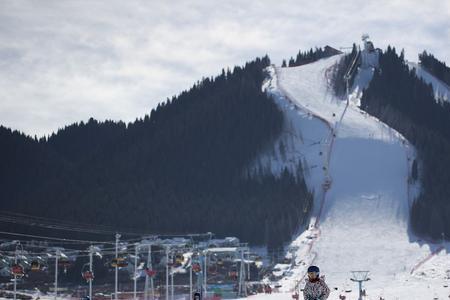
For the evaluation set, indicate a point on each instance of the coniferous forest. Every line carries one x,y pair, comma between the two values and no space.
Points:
312,55
403,101
438,68
177,170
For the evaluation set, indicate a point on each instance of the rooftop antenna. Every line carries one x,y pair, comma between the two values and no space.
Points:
360,277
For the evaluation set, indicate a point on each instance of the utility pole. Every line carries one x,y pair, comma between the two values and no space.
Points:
116,283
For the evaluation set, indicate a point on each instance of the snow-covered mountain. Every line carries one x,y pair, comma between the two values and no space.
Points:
359,170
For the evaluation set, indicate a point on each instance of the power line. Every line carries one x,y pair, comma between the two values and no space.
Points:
58,225
52,219
54,238
28,220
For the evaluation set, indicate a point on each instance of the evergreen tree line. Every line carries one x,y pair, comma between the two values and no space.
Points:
310,56
339,71
438,68
407,104
177,170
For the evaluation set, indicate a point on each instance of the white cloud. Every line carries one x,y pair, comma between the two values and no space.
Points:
65,61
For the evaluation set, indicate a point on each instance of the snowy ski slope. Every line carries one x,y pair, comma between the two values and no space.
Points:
441,90
361,221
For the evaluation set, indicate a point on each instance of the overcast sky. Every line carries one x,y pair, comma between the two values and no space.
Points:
66,61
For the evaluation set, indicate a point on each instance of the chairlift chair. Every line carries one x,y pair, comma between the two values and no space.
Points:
233,275
17,270
150,273
86,273
64,263
196,267
35,266
212,270
179,259
88,276
119,262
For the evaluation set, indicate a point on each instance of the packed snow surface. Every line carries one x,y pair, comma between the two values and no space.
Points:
358,168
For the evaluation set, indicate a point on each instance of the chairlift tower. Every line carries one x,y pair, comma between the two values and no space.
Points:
242,289
116,277
167,272
57,256
91,252
150,267
370,55
16,254
360,277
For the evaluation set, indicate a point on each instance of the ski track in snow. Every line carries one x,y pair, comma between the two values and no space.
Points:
364,220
